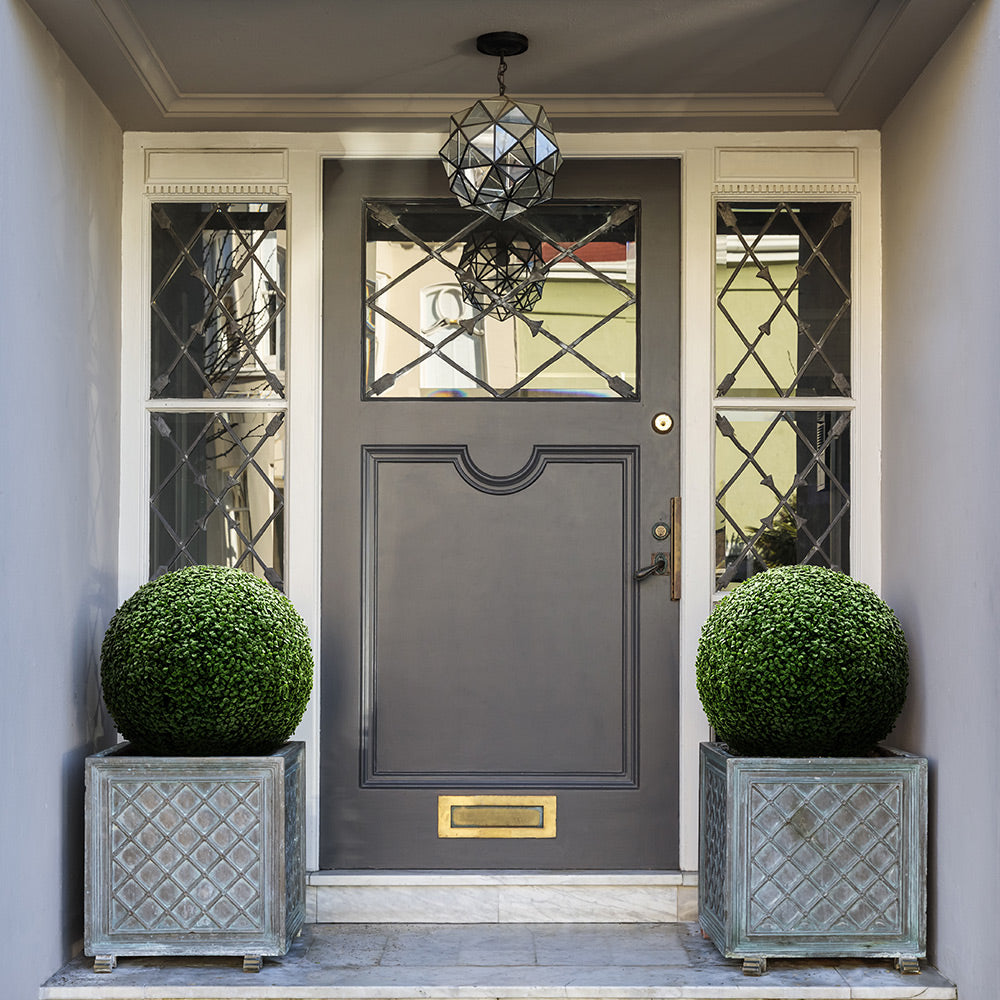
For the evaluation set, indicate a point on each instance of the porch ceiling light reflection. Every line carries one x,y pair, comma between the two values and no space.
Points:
501,270
501,155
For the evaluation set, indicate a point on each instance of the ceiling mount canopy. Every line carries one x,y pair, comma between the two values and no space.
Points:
501,155
502,43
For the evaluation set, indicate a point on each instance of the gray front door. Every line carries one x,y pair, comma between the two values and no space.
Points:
492,481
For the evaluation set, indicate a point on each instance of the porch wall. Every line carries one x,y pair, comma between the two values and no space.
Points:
941,482
60,278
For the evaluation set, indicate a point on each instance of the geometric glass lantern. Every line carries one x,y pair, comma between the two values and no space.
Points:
501,155
501,270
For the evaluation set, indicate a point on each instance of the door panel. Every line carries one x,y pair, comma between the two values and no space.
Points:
482,628
487,607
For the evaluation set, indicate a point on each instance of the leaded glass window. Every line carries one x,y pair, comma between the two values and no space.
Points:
544,305
217,386
783,402
783,299
218,301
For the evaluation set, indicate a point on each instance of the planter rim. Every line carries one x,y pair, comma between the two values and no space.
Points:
882,752
124,752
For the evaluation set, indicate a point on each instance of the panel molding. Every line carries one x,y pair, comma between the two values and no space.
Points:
785,191
207,190
376,457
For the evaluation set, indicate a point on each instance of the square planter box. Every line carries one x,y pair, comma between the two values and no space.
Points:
194,855
813,856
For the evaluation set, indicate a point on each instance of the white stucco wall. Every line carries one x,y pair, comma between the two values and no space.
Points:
60,276
941,461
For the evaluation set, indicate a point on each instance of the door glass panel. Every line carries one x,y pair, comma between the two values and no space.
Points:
782,491
783,299
218,301
460,306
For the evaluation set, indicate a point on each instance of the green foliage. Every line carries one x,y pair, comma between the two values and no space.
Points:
777,545
206,660
802,661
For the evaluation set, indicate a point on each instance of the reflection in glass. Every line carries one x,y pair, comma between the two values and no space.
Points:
503,268
561,322
783,299
217,492
218,300
782,491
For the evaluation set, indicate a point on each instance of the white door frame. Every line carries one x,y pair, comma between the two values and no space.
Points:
276,165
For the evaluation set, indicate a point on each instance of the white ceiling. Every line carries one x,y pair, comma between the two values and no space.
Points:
406,64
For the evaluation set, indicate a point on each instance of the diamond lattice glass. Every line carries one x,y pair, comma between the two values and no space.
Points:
783,299
542,305
782,491
218,300
217,492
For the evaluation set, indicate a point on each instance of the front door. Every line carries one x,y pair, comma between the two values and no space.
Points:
498,689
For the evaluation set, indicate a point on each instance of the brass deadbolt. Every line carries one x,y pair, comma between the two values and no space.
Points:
663,423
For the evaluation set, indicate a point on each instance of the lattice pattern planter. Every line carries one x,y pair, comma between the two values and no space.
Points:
194,855
813,857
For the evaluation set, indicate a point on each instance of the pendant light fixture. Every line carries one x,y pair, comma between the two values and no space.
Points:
501,155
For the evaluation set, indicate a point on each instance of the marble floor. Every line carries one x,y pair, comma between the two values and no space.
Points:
473,961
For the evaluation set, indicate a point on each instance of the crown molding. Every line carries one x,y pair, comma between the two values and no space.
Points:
566,106
173,103
138,50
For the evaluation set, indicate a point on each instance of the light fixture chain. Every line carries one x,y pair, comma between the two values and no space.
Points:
501,70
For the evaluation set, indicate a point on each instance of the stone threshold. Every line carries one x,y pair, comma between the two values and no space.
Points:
489,897
501,961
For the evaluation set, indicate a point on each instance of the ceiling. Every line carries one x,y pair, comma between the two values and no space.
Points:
596,65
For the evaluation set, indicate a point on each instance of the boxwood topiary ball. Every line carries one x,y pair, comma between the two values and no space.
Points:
802,661
206,660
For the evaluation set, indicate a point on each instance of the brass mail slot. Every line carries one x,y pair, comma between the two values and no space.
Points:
496,816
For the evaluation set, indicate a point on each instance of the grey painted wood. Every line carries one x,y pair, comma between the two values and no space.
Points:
194,855
482,631
813,856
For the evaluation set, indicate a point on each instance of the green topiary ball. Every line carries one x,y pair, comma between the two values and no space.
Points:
802,661
206,660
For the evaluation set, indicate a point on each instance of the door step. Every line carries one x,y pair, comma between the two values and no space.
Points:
502,961
501,897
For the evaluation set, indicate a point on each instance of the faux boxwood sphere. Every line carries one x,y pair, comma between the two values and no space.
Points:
206,660
802,661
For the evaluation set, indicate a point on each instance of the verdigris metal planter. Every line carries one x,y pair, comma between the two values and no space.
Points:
194,855
813,856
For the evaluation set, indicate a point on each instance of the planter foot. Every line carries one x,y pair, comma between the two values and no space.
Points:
253,963
908,965
104,963
755,966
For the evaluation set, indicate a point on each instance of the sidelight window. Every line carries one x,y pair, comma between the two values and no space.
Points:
217,387
783,402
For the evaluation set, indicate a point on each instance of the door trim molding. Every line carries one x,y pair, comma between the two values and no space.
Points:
475,897
184,164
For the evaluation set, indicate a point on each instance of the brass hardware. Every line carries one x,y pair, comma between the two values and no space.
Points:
497,816
675,548
663,423
661,530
